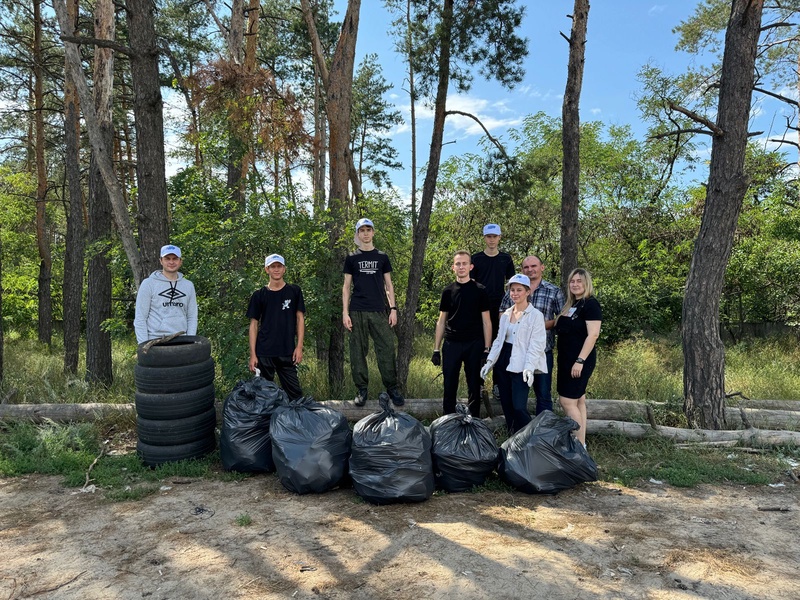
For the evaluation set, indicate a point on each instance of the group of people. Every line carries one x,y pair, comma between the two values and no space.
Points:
490,319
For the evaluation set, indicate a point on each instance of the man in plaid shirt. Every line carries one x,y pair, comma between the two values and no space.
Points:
549,299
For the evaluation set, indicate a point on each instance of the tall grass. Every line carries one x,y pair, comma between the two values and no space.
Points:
636,369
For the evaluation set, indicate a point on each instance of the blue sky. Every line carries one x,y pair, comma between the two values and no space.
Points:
623,35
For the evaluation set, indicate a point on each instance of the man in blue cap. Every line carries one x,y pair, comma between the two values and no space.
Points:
277,328
364,313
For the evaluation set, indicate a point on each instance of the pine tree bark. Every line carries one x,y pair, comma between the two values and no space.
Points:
75,241
45,300
704,353
571,141
148,106
98,298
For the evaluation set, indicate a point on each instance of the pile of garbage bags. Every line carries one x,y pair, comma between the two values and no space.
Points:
390,456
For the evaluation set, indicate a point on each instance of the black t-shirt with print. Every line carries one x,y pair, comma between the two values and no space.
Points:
369,290
276,312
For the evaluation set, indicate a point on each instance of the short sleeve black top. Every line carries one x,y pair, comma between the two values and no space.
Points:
368,269
276,312
571,330
493,272
464,304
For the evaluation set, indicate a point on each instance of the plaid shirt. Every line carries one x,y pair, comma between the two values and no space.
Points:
547,298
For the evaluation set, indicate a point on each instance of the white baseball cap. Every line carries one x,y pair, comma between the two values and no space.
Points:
274,258
521,279
170,249
364,222
491,229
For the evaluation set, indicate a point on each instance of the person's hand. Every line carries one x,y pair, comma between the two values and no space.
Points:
485,357
527,377
252,363
577,369
348,323
392,318
297,355
485,368
436,359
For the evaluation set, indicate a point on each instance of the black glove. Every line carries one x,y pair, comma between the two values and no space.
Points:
436,359
485,357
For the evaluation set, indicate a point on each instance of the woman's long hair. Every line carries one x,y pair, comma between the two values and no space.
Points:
588,290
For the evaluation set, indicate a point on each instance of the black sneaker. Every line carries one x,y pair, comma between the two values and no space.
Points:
361,397
396,396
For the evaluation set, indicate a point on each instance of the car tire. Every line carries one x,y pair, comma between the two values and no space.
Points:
183,350
174,432
166,380
153,456
160,407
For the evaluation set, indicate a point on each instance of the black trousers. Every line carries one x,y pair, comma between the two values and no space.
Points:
286,370
454,354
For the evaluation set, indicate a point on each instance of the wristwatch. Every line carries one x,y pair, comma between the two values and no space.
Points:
579,360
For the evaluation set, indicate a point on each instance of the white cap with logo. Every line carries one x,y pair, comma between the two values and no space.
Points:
170,249
274,258
491,229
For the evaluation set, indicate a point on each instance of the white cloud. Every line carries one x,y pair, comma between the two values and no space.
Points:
596,111
656,9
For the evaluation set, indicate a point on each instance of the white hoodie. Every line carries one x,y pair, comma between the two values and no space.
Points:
164,307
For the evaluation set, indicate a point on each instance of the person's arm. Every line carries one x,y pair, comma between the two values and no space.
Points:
252,336
505,303
439,335
593,332
497,345
142,312
487,329
387,283
297,355
191,312
348,280
558,306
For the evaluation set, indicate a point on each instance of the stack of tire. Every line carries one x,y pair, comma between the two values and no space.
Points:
176,417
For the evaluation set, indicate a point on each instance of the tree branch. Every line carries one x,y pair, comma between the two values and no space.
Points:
794,103
779,24
82,39
660,136
561,33
492,139
696,117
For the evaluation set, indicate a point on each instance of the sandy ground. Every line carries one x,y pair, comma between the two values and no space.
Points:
594,541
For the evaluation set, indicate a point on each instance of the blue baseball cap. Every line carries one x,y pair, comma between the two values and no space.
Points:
521,279
170,249
491,229
274,258
364,223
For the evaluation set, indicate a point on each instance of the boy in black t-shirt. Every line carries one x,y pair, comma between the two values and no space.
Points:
277,317
466,328
493,268
368,271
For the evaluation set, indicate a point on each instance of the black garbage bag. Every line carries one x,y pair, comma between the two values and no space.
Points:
390,459
310,445
544,458
464,450
245,444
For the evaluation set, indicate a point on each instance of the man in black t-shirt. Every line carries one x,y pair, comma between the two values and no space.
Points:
465,326
277,318
493,269
368,271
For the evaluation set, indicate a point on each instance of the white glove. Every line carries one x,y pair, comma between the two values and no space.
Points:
527,377
485,368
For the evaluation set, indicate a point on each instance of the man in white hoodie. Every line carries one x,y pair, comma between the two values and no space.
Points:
166,302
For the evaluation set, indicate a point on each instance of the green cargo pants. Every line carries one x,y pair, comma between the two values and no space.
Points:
376,325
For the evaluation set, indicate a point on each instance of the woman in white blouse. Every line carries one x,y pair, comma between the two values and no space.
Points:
517,353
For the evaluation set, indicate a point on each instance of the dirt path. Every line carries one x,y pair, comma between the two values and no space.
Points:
595,541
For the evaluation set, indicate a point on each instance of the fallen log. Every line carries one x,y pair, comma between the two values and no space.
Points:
63,413
750,437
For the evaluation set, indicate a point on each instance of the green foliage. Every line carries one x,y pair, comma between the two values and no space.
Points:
49,448
244,520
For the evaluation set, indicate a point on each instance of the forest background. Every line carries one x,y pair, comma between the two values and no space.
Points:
282,149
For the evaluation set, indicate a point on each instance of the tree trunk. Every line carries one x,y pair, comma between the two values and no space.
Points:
2,336
571,141
45,300
412,97
704,353
101,152
74,251
338,84
422,229
98,299
151,181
